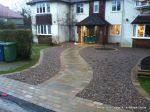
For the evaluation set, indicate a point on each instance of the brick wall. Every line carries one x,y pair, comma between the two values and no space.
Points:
101,7
44,39
141,43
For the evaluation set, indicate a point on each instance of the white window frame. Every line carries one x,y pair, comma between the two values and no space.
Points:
40,7
96,3
39,30
81,6
116,4
115,29
136,30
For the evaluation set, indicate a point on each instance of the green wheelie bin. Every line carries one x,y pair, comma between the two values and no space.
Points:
10,51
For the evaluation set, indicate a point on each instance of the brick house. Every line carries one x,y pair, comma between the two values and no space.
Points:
92,21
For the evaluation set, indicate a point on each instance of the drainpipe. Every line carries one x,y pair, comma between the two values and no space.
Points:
122,25
58,23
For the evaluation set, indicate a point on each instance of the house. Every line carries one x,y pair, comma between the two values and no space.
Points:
92,21
8,15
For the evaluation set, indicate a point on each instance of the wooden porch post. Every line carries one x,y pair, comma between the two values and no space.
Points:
79,33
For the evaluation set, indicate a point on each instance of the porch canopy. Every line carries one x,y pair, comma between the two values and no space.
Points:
93,29
93,20
142,19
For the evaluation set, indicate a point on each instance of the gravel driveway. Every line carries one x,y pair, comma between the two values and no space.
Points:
48,67
111,83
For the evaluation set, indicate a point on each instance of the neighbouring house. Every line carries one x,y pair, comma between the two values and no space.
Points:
8,15
126,22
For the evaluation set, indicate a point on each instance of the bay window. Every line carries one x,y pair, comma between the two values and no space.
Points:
43,29
141,30
43,7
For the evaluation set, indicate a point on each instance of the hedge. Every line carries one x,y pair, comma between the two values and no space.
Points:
24,41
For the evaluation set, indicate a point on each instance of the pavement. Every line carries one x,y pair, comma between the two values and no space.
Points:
59,92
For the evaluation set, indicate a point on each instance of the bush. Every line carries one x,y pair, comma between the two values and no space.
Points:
23,38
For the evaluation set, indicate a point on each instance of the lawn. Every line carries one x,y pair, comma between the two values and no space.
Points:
34,59
145,83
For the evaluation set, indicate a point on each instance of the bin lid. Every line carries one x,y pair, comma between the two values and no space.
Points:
8,43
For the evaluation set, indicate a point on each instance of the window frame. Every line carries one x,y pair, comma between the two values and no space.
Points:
115,30
81,8
96,3
135,29
42,8
43,29
115,4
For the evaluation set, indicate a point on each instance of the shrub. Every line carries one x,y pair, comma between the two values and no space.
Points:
23,38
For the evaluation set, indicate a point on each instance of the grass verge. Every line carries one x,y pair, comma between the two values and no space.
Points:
34,59
145,83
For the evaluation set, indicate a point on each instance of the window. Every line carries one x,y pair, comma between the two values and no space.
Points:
147,30
43,29
116,5
48,7
96,7
79,8
49,29
43,8
141,30
143,3
38,9
115,29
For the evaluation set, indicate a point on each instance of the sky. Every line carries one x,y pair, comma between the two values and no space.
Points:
14,4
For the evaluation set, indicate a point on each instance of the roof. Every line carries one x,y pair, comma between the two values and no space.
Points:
142,19
66,1
94,19
5,12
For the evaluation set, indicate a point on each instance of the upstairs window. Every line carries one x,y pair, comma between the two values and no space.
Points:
116,5
96,7
43,8
79,8
48,7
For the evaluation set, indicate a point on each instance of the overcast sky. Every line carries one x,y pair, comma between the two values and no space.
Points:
13,4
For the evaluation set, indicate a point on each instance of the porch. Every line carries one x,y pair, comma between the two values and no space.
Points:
93,30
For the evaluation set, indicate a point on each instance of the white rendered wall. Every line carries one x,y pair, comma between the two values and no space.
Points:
79,17
59,27
33,19
113,18
130,13
127,14
62,22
